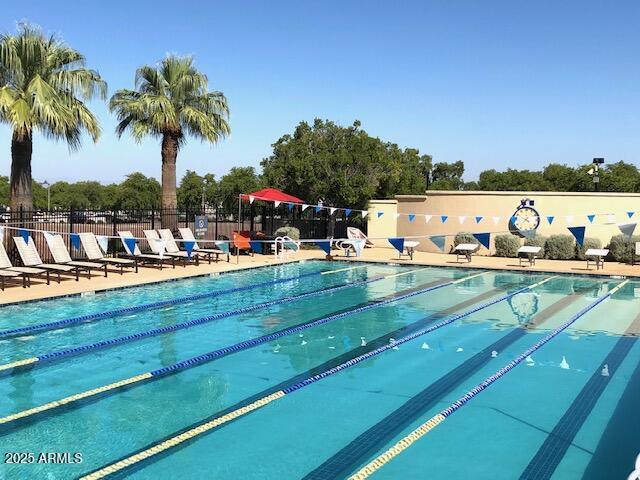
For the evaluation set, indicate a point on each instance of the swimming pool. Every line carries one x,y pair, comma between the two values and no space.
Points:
323,370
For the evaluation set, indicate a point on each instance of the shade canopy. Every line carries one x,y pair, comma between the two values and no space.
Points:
271,195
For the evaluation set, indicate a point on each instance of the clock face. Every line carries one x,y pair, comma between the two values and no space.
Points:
524,219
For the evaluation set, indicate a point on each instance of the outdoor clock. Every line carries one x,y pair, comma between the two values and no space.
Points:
525,219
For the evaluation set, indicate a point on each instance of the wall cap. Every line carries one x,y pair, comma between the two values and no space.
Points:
512,194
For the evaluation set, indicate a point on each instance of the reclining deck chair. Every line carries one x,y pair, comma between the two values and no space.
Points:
142,258
94,253
187,234
7,270
31,258
61,256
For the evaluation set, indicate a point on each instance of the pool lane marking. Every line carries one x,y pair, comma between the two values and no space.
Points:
224,351
329,272
204,427
437,419
42,327
83,349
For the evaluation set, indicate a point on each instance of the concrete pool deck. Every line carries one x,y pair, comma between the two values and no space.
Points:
68,286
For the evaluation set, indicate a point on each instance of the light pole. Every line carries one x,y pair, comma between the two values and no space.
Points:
595,171
46,185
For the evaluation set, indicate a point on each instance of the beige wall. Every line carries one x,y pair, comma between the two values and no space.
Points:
503,204
386,225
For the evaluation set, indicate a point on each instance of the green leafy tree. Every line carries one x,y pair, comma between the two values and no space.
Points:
447,176
620,177
4,191
238,180
138,191
512,180
43,87
171,101
191,190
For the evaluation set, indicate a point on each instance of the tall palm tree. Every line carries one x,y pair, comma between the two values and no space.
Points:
43,87
170,101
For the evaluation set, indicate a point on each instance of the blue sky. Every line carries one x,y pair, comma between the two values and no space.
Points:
497,84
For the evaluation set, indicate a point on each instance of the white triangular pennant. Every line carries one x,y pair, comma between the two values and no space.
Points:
160,246
277,203
1,234
364,213
103,242
332,210
251,198
397,215
569,219
496,220
611,218
462,218
304,206
427,218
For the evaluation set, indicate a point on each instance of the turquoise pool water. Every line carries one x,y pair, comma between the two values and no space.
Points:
568,411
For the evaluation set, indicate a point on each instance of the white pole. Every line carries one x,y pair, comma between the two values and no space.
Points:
239,213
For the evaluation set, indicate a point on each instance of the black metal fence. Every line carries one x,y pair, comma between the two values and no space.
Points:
221,224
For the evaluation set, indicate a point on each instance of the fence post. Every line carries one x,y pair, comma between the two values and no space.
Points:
71,219
215,235
153,218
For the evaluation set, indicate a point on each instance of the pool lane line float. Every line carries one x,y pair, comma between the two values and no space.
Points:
208,425
437,419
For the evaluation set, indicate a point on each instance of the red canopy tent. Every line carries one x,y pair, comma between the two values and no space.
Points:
271,195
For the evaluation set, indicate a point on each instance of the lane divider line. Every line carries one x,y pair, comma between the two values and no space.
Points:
211,424
224,351
434,421
338,270
14,332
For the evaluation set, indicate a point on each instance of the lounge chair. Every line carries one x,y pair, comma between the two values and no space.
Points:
354,233
173,248
187,234
465,250
636,254
94,253
528,252
241,242
159,246
409,249
31,258
596,256
7,270
142,258
61,256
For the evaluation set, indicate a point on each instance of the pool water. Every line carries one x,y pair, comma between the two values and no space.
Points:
569,411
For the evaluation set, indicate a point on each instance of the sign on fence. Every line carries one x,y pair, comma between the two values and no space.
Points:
201,225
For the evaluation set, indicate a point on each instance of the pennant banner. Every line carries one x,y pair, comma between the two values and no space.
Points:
277,203
590,218
75,240
224,246
251,198
364,213
160,246
347,212
461,219
578,232
325,245
496,220
443,218
290,206
332,210
103,242
188,246
255,246
398,243
483,238
304,206
380,214
1,234
550,219
411,217
627,229
478,219
438,241
630,214
318,208
24,234
427,218
131,244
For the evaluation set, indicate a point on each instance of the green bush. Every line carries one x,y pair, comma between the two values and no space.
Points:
537,241
464,237
621,247
560,247
291,232
587,244
507,245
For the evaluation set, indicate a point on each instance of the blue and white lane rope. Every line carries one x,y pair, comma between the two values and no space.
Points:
68,352
15,332
208,425
200,359
434,421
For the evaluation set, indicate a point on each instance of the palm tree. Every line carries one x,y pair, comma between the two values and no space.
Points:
170,101
43,87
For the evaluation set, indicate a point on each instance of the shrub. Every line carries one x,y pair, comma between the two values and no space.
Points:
507,245
560,247
291,232
464,237
537,241
621,247
587,244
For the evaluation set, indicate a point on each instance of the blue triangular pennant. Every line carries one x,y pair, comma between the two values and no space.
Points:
590,218
131,244
347,212
255,246
398,243
550,219
412,217
513,219
188,246
75,240
443,218
483,238
380,214
578,232
324,245
478,219
438,241
290,206
24,234
630,214
224,246
318,208
627,229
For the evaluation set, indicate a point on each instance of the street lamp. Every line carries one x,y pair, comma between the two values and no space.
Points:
46,185
595,171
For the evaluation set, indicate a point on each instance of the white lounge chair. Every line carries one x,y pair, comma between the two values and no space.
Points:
187,234
636,253
409,248
596,256
173,248
354,233
61,256
465,250
7,270
94,253
159,246
142,258
31,258
528,252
